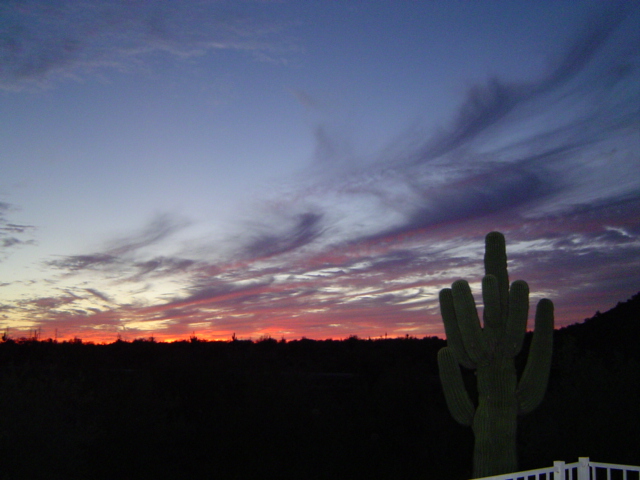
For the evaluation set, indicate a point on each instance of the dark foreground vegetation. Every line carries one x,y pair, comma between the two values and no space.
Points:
302,409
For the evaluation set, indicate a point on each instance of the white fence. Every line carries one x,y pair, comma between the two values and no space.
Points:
583,469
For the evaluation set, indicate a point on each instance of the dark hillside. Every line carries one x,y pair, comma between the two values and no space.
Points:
610,334
308,409
299,409
592,406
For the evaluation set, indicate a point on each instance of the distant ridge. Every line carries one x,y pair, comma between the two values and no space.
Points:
614,332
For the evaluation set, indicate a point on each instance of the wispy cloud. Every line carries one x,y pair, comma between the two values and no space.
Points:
123,252
519,149
550,161
299,231
487,105
160,227
41,40
98,294
553,163
75,263
11,234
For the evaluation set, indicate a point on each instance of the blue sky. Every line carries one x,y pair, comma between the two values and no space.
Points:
318,169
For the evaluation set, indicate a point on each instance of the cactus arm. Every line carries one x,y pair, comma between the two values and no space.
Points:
533,383
518,314
455,394
452,330
473,337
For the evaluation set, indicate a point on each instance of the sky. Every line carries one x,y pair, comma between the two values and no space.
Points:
313,169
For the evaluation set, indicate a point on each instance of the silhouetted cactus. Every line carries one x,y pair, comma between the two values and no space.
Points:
490,350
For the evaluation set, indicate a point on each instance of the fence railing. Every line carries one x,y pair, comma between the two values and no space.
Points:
583,469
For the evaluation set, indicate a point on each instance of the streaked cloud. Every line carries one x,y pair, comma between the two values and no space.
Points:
300,230
11,234
41,41
123,252
365,245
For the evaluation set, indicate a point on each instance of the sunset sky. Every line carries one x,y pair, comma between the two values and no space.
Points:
310,168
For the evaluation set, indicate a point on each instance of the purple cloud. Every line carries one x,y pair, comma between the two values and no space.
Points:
304,229
114,35
488,104
10,233
364,248
120,254
74,263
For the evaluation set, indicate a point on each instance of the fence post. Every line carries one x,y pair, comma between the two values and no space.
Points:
558,470
583,468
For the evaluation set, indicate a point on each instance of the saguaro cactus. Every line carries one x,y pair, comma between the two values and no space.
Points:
490,350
